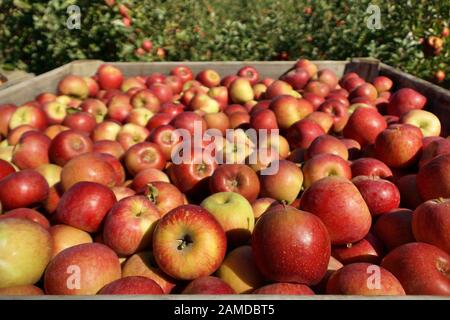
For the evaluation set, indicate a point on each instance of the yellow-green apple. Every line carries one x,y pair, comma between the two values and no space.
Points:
285,184
327,144
421,268
234,213
364,279
145,99
241,91
289,110
203,102
107,130
351,222
67,145
209,78
55,112
32,150
129,225
164,195
259,90
26,213
65,236
143,264
146,176
85,205
189,243
302,133
404,100
22,189
291,245
382,84
338,111
325,165
431,223
380,195
370,167
25,250
239,270
131,134
324,120
428,123
109,77
26,290
119,107
220,94
364,125
284,288
28,115
208,285
132,285
73,86
83,269
394,228
6,153
399,145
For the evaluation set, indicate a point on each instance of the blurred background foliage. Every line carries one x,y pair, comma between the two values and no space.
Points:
414,34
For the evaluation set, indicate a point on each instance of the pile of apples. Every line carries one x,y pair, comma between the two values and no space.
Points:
93,204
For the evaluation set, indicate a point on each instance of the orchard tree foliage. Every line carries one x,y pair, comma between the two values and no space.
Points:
34,35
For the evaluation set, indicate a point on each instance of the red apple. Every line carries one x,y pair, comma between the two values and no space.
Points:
370,167
73,86
209,78
327,144
382,84
144,155
55,112
6,112
189,243
92,86
67,145
297,79
159,119
15,134
5,168
394,228
162,91
144,98
366,90
325,165
26,290
26,213
278,88
208,285
289,110
404,100
107,130
164,195
132,285
32,150
146,176
315,100
433,179
284,289
409,194
122,192
239,119
434,149
324,120
81,270
370,250
183,72
351,222
328,77
364,125
219,121
250,73
188,121
109,77
421,268
290,245
66,236
131,134
302,133
119,107
45,97
132,83
318,88
113,148
338,111
155,77
28,115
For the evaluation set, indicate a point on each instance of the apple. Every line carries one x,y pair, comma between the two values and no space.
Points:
323,119
428,123
302,133
289,110
28,115
139,116
189,120
370,167
239,119
55,112
155,77
259,90
65,236
142,178
131,134
241,91
283,288
409,194
143,264
250,73
81,121
351,222
83,269
53,130
164,195
327,144
113,148
382,84
26,290
219,121
132,285
144,98
129,225
96,108
93,87
162,91
6,112
315,100
67,145
404,100
208,285
431,223
73,86
380,195
84,205
364,125
434,149
309,66
234,213
291,245
237,108
353,148
32,150
297,79
325,165
433,179
6,168
203,102
119,107
328,77
261,205
352,83
183,72
338,111
220,94
144,155
209,78
29,214
109,77
366,90
132,83
45,97
15,134
107,130
399,145
421,268
364,279
122,192
22,189
189,243
394,228
370,250
318,88
239,270
159,119
26,249
264,120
